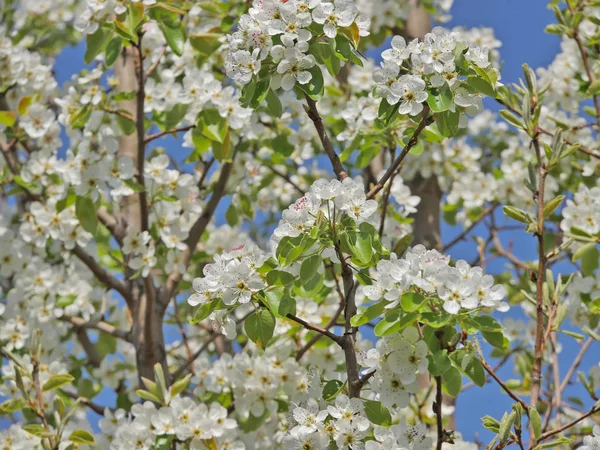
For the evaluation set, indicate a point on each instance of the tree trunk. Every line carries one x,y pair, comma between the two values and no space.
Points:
147,315
427,226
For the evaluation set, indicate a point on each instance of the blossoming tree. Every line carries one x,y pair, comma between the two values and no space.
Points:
277,277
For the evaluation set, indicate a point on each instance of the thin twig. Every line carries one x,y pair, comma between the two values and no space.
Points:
506,389
334,337
154,136
414,139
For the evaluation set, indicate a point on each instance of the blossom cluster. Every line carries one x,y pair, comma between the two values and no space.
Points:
324,197
459,287
233,277
583,211
281,31
432,63
184,419
345,423
396,360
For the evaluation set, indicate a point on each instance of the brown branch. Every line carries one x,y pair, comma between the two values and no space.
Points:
98,325
94,358
414,139
184,337
140,129
313,114
467,230
155,64
506,389
586,61
285,177
103,275
568,425
118,112
576,362
309,326
98,409
181,369
437,410
154,136
318,337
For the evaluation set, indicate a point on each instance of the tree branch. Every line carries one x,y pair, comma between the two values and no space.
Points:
154,136
99,325
103,275
313,114
309,326
409,145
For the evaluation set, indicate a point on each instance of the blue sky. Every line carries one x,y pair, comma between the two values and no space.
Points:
519,25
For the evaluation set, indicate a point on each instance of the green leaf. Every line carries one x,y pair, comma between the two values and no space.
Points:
8,118
57,381
309,268
37,430
212,125
535,421
512,119
282,145
331,389
86,214
260,327
517,214
553,205
588,254
96,43
82,437
175,37
435,319
11,406
24,104
487,323
442,101
468,364
205,43
175,115
287,305
315,87
482,86
505,426
126,125
496,339
279,278
371,313
377,413
411,301
180,385
439,362
134,17
274,104
205,310
231,215
362,248
113,50
145,395
593,89
447,122
452,381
